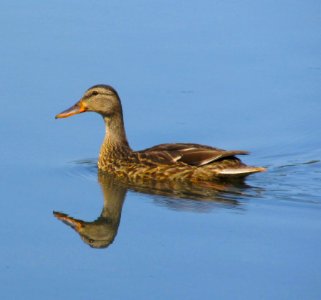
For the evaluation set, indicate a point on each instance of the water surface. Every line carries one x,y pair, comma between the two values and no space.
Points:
224,73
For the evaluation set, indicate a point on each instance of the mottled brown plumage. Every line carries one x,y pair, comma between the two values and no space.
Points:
183,161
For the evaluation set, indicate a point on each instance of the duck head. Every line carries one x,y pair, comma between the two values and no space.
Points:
102,99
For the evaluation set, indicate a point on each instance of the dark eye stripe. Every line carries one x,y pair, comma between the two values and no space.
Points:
94,93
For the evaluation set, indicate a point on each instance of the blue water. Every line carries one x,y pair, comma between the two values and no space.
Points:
236,75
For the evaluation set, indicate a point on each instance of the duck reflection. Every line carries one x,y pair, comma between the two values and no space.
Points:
101,232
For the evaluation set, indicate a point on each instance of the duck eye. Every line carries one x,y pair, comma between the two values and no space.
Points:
94,93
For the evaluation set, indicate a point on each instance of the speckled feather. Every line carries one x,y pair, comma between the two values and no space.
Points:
190,162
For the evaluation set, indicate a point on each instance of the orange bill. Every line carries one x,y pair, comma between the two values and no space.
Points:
78,108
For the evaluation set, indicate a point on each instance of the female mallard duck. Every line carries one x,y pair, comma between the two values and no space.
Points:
184,161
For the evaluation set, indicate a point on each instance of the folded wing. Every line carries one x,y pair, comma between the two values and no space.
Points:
190,154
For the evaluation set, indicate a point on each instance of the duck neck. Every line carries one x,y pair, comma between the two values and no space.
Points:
115,142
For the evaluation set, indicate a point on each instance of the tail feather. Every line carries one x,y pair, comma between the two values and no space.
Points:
241,171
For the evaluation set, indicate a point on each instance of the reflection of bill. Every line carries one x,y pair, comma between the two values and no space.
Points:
101,232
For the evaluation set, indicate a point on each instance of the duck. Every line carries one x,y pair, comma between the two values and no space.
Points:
188,162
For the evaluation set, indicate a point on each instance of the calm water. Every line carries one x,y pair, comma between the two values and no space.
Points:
237,75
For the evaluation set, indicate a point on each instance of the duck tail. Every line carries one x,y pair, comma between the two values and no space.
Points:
240,172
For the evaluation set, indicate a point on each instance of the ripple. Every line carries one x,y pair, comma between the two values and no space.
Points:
295,164
295,182
83,168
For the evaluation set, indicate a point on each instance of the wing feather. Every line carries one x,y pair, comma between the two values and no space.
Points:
190,154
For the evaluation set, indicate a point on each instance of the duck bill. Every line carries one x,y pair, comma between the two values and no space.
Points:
78,108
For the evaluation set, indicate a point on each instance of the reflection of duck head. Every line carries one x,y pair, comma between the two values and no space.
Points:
101,232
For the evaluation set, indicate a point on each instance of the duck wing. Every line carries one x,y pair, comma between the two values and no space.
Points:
190,154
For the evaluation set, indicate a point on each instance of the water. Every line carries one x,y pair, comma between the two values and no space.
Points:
224,73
